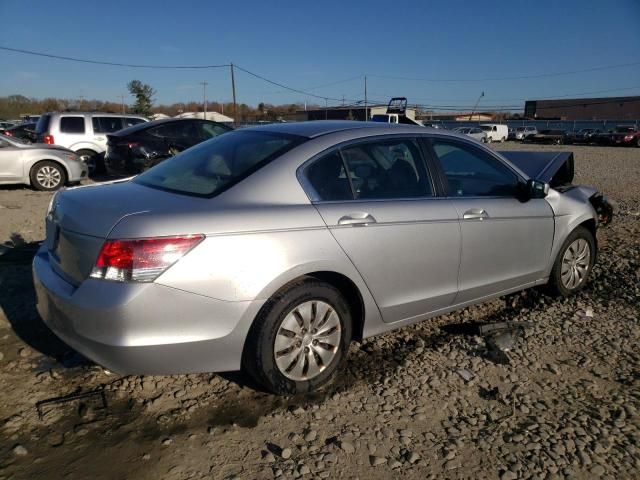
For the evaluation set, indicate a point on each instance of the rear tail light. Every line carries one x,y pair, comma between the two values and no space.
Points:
8,133
48,139
141,260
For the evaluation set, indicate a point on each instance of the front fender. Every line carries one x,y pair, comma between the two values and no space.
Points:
571,209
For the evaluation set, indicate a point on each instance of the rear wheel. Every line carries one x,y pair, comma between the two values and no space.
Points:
502,140
574,262
47,176
300,339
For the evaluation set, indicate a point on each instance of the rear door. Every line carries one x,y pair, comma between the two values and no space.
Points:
506,242
378,200
102,126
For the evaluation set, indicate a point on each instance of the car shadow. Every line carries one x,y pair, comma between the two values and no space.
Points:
18,302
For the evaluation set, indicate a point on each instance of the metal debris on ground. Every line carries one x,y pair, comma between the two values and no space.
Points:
502,336
69,398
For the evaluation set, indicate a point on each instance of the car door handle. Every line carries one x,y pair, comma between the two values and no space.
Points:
475,214
356,219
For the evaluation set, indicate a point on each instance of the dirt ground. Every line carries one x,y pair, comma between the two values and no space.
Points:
426,401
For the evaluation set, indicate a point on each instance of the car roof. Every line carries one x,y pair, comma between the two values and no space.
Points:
316,128
155,123
99,114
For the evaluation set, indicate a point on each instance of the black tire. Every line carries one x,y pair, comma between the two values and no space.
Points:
94,161
48,176
259,360
556,284
502,140
489,139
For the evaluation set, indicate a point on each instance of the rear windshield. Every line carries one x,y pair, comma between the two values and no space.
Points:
215,165
43,124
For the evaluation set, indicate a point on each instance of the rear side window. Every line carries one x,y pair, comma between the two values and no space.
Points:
130,122
43,124
212,167
72,124
106,124
374,170
175,130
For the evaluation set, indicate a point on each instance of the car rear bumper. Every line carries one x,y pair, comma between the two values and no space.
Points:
143,328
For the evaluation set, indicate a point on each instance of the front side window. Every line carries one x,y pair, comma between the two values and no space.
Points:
106,124
471,172
210,130
72,124
212,167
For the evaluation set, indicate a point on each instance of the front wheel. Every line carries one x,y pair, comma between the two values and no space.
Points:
47,176
574,263
300,339
489,139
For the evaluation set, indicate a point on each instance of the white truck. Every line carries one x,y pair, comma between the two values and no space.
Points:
495,132
396,113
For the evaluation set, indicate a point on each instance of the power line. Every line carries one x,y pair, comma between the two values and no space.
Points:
517,77
113,64
277,84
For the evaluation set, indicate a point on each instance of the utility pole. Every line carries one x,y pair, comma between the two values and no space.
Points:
122,102
326,106
476,106
204,99
366,115
343,99
233,89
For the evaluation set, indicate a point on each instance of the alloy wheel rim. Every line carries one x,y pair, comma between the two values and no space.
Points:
307,340
575,263
48,177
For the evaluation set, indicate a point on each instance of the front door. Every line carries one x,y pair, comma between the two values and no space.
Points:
378,201
506,242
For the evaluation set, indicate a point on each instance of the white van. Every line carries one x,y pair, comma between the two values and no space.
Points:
495,132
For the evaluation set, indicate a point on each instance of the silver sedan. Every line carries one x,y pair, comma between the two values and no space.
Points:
44,167
270,249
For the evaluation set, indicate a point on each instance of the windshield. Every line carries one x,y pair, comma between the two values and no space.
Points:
624,129
213,166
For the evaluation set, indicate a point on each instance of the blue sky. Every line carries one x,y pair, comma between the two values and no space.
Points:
307,44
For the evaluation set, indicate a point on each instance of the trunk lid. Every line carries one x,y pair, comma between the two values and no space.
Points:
81,218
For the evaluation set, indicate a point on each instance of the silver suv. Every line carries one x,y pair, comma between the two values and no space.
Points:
84,133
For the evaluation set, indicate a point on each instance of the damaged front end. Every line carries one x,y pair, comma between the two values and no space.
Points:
557,169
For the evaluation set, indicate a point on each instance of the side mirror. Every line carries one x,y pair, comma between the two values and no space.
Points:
537,188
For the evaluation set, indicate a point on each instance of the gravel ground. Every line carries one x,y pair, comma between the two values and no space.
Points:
422,402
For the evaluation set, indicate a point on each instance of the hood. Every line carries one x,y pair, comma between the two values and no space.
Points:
554,168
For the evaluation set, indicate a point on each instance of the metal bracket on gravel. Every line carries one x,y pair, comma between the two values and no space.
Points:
502,336
69,398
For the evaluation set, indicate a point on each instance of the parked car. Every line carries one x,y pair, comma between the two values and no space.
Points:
495,132
5,125
135,149
557,137
83,132
521,133
44,167
473,132
270,248
585,135
23,131
623,135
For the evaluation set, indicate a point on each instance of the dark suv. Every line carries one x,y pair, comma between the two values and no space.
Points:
138,148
